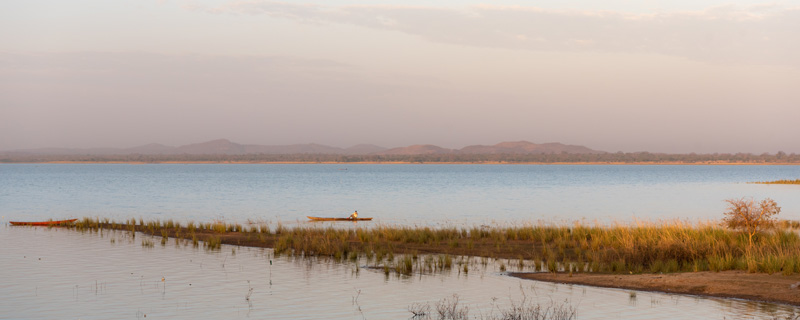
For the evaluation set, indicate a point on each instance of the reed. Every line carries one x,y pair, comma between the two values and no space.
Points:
195,242
218,227
669,247
147,243
672,246
213,243
406,267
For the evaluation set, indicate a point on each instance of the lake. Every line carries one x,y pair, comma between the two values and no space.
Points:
392,194
52,273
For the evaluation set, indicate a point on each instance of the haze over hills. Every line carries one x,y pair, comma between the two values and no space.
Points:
418,149
525,147
223,146
226,147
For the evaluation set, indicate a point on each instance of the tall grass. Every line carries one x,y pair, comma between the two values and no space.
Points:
674,246
642,247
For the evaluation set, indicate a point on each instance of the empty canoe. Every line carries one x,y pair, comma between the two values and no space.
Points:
41,223
338,219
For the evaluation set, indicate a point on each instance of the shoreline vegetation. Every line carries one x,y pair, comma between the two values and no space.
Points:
797,181
614,255
550,158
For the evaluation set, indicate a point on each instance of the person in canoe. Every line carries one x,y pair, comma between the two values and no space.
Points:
353,216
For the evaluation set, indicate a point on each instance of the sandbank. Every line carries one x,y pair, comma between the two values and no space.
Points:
777,288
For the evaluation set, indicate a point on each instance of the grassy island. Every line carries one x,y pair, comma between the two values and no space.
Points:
627,249
678,257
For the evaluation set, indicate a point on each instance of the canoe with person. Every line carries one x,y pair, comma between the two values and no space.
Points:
352,217
42,223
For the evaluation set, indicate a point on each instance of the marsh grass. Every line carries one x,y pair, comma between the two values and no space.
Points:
147,243
213,243
406,266
640,247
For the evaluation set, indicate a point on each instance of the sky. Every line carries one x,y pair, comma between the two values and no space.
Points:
699,76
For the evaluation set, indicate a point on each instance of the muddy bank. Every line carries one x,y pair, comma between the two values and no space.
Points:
727,284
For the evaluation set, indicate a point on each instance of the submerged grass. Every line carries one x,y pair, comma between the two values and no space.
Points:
641,247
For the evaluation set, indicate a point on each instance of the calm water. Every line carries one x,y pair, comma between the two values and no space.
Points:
390,193
53,274
64,274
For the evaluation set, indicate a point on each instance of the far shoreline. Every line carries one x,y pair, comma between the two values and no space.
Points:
643,163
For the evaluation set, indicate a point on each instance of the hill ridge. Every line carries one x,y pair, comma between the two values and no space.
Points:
227,147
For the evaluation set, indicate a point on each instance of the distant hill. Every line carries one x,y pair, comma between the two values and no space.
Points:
525,147
365,149
153,148
65,151
513,152
311,148
226,147
417,149
221,146
516,147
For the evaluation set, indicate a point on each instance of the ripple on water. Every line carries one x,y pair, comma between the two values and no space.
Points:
57,273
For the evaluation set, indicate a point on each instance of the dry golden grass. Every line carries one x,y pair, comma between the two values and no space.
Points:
640,247
797,181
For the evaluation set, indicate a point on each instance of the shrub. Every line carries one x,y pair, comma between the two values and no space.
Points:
744,214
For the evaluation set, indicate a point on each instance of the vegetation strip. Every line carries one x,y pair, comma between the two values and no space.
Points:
779,182
639,248
572,251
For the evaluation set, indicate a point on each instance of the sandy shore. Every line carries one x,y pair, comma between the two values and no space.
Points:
728,284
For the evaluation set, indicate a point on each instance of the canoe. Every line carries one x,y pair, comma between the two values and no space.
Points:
337,219
41,223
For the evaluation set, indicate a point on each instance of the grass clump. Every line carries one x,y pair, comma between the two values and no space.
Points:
213,243
147,243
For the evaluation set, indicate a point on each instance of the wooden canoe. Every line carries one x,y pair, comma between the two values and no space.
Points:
338,219
41,223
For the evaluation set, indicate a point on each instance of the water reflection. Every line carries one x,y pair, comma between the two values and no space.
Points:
57,273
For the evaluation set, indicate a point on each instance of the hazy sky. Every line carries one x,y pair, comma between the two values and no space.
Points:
615,75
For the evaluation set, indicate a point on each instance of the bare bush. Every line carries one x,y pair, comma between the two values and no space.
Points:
449,309
420,310
749,216
529,311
